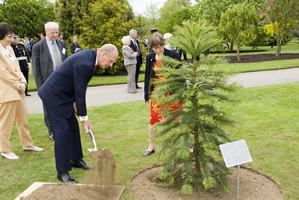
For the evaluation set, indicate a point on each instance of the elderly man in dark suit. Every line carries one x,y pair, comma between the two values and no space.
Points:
62,94
135,46
47,56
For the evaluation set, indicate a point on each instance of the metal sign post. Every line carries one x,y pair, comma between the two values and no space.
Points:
235,153
238,183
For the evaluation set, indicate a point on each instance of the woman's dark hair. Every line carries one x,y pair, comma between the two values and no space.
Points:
5,29
157,40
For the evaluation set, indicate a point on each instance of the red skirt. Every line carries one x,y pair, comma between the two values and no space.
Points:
155,115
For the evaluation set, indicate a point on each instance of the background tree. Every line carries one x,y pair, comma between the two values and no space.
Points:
141,26
283,15
106,21
27,17
177,18
152,14
69,14
192,135
262,39
212,10
169,7
239,23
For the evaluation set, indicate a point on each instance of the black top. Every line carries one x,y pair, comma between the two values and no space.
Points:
149,72
73,47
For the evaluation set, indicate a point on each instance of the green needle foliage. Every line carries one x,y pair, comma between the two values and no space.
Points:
192,134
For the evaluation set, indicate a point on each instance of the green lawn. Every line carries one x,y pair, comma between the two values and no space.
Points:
266,117
291,47
259,66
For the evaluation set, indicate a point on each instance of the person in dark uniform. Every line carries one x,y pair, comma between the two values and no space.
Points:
153,30
24,60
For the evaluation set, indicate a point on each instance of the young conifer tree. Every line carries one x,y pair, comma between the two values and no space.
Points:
192,134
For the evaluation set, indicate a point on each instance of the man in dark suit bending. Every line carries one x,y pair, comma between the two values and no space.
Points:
47,56
64,90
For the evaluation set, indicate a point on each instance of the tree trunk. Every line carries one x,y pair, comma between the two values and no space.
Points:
196,143
238,51
196,127
231,47
278,43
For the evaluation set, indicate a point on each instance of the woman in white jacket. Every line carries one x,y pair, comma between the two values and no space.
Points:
130,62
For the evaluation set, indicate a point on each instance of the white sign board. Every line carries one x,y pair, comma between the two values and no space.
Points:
235,153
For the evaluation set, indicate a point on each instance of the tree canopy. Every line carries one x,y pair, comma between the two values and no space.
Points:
106,21
212,10
169,7
27,17
283,15
69,14
238,23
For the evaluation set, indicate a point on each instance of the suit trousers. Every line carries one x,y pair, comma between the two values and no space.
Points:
25,73
131,69
67,139
9,112
137,69
46,120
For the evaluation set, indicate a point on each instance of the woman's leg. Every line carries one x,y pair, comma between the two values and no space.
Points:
131,78
7,116
21,117
152,133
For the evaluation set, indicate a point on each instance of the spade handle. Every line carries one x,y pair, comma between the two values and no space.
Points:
92,138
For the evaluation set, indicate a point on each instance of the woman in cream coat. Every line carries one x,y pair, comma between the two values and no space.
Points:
130,62
12,98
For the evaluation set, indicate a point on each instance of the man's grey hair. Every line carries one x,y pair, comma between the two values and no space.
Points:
108,48
132,31
47,25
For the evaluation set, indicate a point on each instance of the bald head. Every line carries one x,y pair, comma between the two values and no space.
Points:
52,30
109,49
107,55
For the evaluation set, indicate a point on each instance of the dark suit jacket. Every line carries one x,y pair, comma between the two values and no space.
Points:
42,63
139,58
68,84
149,72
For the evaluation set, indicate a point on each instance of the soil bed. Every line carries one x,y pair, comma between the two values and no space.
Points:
74,192
262,57
100,180
253,185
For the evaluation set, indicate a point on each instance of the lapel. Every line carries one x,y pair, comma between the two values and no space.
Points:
61,47
45,49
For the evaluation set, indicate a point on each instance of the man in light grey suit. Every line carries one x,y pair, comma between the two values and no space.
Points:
47,56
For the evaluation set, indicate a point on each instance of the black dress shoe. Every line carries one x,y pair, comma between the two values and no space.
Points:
148,153
137,87
66,178
80,164
28,95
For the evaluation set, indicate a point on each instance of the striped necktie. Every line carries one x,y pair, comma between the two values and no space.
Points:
137,48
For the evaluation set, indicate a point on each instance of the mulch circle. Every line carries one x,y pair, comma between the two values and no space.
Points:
253,185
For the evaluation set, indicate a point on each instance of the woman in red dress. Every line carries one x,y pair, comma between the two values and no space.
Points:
153,62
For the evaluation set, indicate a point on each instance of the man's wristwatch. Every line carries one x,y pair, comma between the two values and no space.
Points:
83,118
